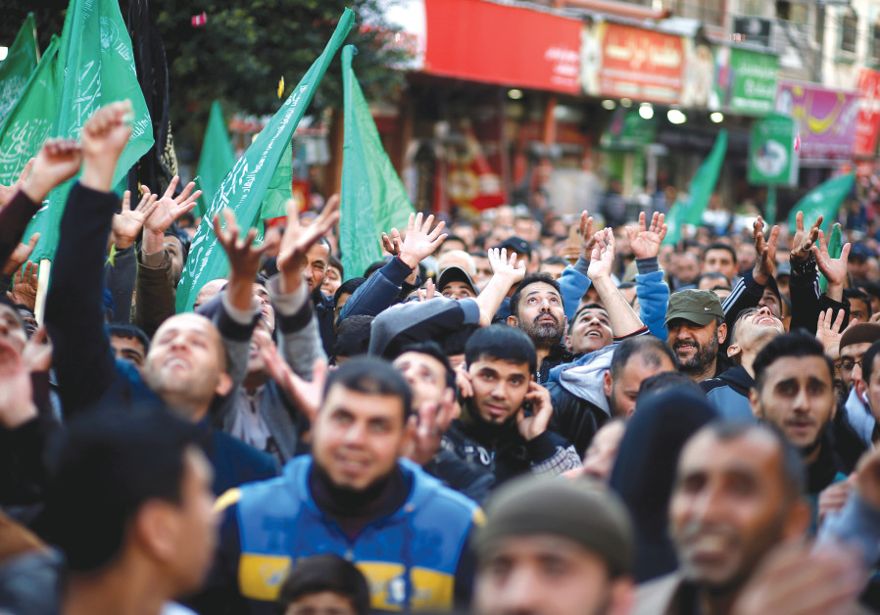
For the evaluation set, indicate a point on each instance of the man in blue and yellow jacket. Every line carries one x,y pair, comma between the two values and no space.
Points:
355,497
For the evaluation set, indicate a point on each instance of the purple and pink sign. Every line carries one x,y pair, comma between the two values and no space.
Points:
826,119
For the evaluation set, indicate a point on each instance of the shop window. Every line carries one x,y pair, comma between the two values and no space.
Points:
849,26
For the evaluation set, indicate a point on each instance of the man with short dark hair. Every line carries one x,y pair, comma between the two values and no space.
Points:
854,343
696,331
552,547
793,391
721,258
503,430
536,308
325,584
131,532
129,343
353,496
737,496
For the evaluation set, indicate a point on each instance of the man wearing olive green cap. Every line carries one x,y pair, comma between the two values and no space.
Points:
554,547
697,330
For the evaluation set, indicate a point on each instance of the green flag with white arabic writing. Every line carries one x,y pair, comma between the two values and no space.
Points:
20,62
31,118
216,159
373,197
244,188
823,200
701,188
93,67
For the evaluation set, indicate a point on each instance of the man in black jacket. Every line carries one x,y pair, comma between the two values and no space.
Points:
186,367
503,425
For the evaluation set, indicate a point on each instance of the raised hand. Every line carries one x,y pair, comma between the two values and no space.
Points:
602,258
765,264
796,578
803,241
428,426
428,292
829,333
21,253
645,241
127,224
530,427
420,240
170,208
56,162
834,269
506,267
587,234
305,395
244,255
24,289
103,138
298,239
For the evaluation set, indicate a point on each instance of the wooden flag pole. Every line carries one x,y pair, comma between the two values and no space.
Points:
42,289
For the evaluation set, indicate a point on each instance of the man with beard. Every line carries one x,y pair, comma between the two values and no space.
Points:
854,343
355,497
696,327
552,547
794,391
729,392
503,425
536,308
737,518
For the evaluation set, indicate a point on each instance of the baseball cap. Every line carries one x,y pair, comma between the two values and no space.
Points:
517,244
698,306
860,333
454,273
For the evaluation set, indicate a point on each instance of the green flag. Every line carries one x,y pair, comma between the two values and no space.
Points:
31,118
373,198
244,188
701,188
823,200
20,62
279,190
94,67
216,159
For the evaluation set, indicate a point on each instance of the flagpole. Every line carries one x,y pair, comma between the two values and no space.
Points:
42,289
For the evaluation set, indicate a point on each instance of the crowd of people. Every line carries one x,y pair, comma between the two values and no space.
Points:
505,414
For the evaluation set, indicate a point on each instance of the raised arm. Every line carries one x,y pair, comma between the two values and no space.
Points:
651,289
624,320
83,361
506,272
381,290
574,281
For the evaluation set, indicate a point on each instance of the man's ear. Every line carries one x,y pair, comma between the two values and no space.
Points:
733,351
156,530
722,332
224,384
513,321
607,382
567,341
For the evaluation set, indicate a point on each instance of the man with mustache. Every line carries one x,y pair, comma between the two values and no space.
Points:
697,330
536,308
729,392
737,519
794,391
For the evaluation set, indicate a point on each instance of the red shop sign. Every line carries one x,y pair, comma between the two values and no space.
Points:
641,64
507,45
868,122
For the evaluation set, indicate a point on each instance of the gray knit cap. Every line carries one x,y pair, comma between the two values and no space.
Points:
580,510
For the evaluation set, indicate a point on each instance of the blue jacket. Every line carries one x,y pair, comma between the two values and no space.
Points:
409,558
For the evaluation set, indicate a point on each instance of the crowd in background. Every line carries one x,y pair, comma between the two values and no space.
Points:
511,412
